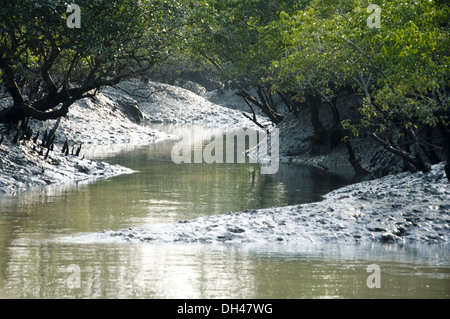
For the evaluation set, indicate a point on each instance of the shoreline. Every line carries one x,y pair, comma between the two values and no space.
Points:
113,120
405,207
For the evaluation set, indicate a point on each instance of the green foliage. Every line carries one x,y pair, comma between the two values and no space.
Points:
115,35
327,48
402,68
229,36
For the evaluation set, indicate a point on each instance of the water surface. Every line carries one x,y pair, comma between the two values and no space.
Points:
37,260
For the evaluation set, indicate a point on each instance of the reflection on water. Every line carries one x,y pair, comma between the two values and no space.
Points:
35,264
194,271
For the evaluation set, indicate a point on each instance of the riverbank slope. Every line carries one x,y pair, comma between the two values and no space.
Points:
117,117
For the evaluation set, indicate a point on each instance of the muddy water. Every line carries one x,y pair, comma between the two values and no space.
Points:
39,259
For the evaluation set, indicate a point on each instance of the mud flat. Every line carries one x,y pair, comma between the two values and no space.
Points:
403,208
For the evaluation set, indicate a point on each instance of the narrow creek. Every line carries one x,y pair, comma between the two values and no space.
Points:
37,260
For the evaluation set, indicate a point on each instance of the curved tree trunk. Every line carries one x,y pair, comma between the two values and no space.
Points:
25,109
274,116
9,80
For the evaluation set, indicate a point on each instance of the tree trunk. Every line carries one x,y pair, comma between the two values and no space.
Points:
421,164
25,109
9,80
319,130
275,117
428,149
340,132
416,161
287,101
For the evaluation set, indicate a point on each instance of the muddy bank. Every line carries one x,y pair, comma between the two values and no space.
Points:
90,123
298,144
166,104
404,208
397,208
115,118
23,168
